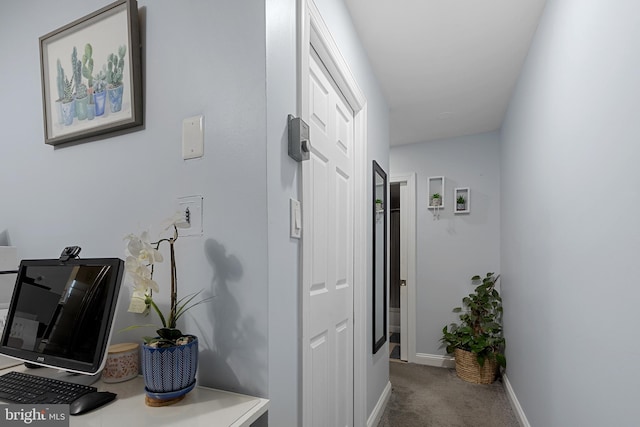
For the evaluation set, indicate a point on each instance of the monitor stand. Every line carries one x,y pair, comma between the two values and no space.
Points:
56,374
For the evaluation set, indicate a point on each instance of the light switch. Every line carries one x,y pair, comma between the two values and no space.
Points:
192,137
296,218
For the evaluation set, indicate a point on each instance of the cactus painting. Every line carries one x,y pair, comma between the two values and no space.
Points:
87,93
91,76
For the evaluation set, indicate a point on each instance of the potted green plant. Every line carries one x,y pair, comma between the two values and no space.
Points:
67,102
169,359
60,86
87,72
115,70
477,341
460,203
378,205
436,200
82,101
79,107
99,91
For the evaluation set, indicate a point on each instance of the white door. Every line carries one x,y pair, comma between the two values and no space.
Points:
408,329
328,240
404,319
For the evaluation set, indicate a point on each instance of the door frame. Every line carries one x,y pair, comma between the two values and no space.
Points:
410,235
313,31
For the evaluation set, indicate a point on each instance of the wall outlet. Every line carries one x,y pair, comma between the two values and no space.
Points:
192,207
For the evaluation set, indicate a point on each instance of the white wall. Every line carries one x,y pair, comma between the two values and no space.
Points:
200,57
283,175
570,201
456,247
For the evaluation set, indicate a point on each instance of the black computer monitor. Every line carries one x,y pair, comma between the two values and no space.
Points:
61,313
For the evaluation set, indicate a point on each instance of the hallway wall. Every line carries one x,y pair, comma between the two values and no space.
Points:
570,235
456,247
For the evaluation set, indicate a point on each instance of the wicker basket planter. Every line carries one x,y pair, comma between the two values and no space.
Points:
468,368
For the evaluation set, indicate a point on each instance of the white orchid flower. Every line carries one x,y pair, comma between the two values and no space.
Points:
141,275
178,220
143,284
141,255
141,248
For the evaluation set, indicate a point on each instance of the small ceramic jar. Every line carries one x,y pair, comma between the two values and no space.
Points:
122,363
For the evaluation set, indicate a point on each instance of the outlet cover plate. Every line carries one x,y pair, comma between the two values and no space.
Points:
194,204
192,137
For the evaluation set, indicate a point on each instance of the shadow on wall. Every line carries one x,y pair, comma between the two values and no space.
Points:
236,349
4,238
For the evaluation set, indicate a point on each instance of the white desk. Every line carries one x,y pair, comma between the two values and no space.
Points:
201,407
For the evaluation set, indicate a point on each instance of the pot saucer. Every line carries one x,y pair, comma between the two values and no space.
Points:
170,394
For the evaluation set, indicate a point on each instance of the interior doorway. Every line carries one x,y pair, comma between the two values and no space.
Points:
402,268
395,333
333,353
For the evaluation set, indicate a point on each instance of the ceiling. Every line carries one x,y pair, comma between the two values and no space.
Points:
447,67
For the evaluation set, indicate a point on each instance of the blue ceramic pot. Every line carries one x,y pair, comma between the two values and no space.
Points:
67,113
167,370
115,98
100,99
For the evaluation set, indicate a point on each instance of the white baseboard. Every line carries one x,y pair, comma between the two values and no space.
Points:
515,404
435,360
376,414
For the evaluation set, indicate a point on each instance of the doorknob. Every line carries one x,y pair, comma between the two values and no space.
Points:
403,283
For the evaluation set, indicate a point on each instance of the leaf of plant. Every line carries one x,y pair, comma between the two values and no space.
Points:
184,308
480,359
170,334
132,327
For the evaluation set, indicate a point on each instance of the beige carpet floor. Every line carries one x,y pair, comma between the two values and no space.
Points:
426,396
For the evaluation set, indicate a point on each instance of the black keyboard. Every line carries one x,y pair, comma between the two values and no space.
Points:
18,387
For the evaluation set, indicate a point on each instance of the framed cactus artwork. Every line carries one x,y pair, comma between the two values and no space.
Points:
91,76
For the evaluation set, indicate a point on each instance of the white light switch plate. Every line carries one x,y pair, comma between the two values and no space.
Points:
193,137
296,218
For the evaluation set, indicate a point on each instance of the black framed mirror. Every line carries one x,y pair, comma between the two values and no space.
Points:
379,265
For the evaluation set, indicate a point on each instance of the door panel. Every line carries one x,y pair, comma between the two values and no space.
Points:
320,362
328,242
404,320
